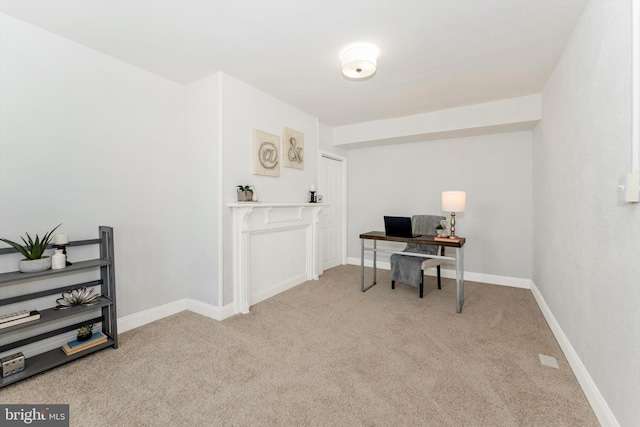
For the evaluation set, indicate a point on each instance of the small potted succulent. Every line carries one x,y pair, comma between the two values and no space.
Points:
33,251
441,230
85,332
245,193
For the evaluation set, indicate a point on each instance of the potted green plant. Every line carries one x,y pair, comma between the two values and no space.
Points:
245,193
441,230
33,251
85,332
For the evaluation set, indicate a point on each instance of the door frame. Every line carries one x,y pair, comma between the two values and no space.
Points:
345,167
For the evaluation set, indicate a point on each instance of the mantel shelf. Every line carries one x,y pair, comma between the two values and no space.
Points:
271,205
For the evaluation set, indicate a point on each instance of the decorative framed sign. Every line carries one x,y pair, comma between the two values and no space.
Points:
293,150
266,153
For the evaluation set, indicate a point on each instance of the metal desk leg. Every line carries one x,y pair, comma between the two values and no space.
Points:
361,265
375,254
362,288
459,279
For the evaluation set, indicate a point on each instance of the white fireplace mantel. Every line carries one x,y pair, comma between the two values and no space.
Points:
276,246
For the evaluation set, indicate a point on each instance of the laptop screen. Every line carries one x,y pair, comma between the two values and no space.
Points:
398,226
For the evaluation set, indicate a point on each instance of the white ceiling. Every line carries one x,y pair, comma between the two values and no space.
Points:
434,54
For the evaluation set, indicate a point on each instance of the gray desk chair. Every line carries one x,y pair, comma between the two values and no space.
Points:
410,269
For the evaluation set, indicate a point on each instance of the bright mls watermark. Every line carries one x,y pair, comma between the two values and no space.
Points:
34,415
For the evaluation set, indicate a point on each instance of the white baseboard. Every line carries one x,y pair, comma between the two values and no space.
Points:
212,311
514,282
595,398
136,320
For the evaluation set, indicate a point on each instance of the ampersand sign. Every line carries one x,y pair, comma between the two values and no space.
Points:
294,153
294,141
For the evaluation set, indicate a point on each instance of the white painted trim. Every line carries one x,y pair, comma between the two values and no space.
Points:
244,205
256,218
595,398
221,208
216,313
136,320
513,282
332,156
635,84
142,318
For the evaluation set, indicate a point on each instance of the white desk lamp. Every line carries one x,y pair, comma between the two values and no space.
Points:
453,201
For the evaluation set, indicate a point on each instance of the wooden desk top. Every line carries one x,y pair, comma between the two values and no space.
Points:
422,240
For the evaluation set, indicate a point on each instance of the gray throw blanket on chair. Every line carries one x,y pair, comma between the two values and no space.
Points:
407,268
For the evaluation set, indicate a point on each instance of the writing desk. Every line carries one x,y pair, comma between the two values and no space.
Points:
422,240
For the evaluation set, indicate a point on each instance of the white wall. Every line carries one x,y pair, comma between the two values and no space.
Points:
586,244
87,140
244,109
203,175
326,144
408,179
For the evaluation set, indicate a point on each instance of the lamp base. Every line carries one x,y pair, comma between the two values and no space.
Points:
453,226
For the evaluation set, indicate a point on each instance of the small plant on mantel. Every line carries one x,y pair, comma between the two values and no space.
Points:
33,251
245,193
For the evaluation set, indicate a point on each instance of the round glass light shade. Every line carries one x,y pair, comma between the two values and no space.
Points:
359,62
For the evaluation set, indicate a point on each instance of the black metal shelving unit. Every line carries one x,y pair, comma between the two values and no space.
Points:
105,309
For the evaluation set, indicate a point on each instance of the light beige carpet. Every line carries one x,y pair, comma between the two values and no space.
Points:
325,354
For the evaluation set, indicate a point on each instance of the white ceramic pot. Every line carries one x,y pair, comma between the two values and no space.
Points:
245,196
34,265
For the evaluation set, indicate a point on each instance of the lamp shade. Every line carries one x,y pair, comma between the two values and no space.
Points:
359,61
453,201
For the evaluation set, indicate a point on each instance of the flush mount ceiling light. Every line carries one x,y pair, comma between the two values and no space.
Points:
359,61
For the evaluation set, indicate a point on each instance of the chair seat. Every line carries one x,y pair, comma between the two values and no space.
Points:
431,262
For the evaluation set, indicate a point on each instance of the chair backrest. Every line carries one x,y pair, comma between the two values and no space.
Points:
425,224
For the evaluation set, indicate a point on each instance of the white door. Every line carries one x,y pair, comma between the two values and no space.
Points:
331,187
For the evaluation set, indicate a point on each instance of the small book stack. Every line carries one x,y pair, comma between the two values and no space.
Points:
446,239
75,346
18,317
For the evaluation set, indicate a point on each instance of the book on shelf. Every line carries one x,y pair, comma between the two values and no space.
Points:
13,316
446,239
76,346
33,315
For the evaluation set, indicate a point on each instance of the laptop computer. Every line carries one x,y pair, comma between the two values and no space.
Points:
398,226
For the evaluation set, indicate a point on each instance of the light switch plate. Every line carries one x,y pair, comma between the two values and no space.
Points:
632,188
